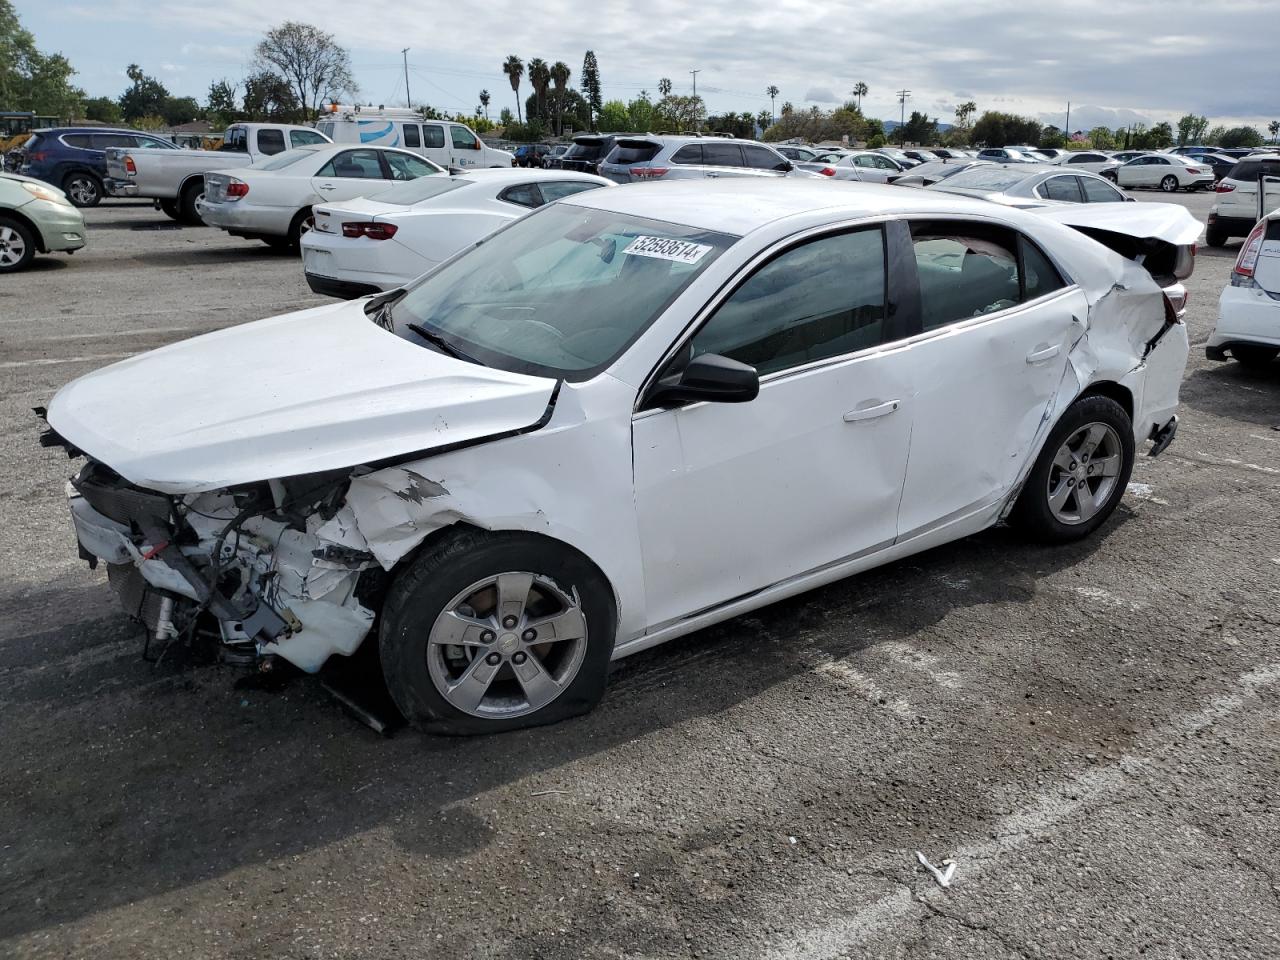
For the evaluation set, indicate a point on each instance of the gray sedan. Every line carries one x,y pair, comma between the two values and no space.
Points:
1027,185
865,165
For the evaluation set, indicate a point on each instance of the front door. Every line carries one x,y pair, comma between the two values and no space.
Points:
351,173
997,324
732,498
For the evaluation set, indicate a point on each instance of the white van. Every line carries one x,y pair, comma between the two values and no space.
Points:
444,142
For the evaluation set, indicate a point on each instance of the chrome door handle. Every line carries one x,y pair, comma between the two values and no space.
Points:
328,186
870,413
709,174
1044,353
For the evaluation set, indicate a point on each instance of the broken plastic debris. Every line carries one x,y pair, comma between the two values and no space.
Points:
942,876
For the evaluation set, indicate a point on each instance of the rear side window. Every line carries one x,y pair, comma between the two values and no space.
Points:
100,141
305,138
1039,276
523,194
270,141
966,270
326,128
1096,191
78,140
824,298
411,138
1248,170
689,153
762,158
722,155
556,189
1066,189
405,166
432,136
627,152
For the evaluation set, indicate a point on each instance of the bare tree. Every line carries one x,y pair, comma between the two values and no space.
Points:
313,65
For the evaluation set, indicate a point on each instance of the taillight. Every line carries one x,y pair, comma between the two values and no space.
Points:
374,231
1224,187
236,189
130,167
651,173
827,171
1194,171
38,157
1248,257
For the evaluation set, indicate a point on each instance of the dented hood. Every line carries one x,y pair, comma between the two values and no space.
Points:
1142,221
317,390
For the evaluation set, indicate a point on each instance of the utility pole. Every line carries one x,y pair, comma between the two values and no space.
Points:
697,123
694,74
407,102
903,97
1066,131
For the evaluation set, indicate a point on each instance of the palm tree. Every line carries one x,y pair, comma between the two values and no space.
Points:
1274,129
484,102
859,90
664,87
964,112
539,77
560,77
514,69
772,93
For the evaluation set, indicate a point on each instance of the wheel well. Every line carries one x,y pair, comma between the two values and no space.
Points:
35,231
194,178
76,170
1109,388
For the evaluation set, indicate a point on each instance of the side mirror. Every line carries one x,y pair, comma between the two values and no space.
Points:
708,377
786,166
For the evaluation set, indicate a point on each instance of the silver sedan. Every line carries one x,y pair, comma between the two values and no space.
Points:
1028,185
865,165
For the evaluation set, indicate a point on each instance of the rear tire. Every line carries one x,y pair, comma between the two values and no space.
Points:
434,683
171,209
298,226
1253,356
1074,486
1215,238
187,203
17,245
82,189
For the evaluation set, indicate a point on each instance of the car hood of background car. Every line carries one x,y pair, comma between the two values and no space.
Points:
322,389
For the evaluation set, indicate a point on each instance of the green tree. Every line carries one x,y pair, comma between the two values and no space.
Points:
965,112
316,68
1241,137
1214,137
103,110
540,79
1273,128
639,114
268,96
1051,136
591,85
145,97
787,107
1191,129
919,129
679,114
31,80
859,90
513,67
1100,138
764,118
179,110
664,87
995,129
220,106
484,102
559,72
506,117
614,116
772,93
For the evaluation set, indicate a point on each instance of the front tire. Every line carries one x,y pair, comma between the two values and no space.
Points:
83,189
1080,475
486,632
1253,356
1169,184
17,245
1215,238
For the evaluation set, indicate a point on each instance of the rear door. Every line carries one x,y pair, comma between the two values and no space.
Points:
996,322
270,141
722,159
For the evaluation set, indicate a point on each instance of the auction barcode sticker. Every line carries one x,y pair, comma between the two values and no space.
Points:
663,248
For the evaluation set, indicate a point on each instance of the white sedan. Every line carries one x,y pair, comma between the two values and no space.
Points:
271,200
1164,171
1248,328
1091,161
624,417
383,241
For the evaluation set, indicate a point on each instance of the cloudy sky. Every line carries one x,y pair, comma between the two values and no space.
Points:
1116,61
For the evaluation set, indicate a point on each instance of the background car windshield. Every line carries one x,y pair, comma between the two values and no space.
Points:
415,191
985,178
561,292
285,159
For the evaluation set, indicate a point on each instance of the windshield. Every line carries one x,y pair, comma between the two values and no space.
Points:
283,159
991,178
423,188
561,292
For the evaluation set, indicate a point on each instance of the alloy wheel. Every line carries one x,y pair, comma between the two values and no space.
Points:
1083,476
12,247
82,191
1169,184
507,645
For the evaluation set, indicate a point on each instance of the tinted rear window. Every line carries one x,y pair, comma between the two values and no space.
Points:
585,150
1250,169
633,151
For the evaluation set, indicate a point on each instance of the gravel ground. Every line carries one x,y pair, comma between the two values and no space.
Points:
1089,732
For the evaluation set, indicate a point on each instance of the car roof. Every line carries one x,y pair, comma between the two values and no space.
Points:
520,175
737,206
61,130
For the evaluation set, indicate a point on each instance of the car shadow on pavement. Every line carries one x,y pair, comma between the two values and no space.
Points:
208,256
1231,391
125,781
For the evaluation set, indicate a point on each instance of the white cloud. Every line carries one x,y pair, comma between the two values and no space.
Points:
820,95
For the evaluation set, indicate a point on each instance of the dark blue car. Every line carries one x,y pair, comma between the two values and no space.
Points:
72,158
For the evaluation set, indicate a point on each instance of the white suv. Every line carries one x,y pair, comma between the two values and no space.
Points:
1236,209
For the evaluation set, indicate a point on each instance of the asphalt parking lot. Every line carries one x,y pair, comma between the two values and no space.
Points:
1091,733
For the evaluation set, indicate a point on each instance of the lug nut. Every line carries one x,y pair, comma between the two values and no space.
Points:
530,635
1074,464
486,636
493,659
508,622
1071,481
519,658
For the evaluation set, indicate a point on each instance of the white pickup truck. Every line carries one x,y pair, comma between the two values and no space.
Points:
175,178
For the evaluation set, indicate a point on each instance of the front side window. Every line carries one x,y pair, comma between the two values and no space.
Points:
561,292
101,141
355,165
432,136
824,298
154,142
463,139
271,142
326,128
762,158
405,166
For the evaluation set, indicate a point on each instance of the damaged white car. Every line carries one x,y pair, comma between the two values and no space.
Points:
629,415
